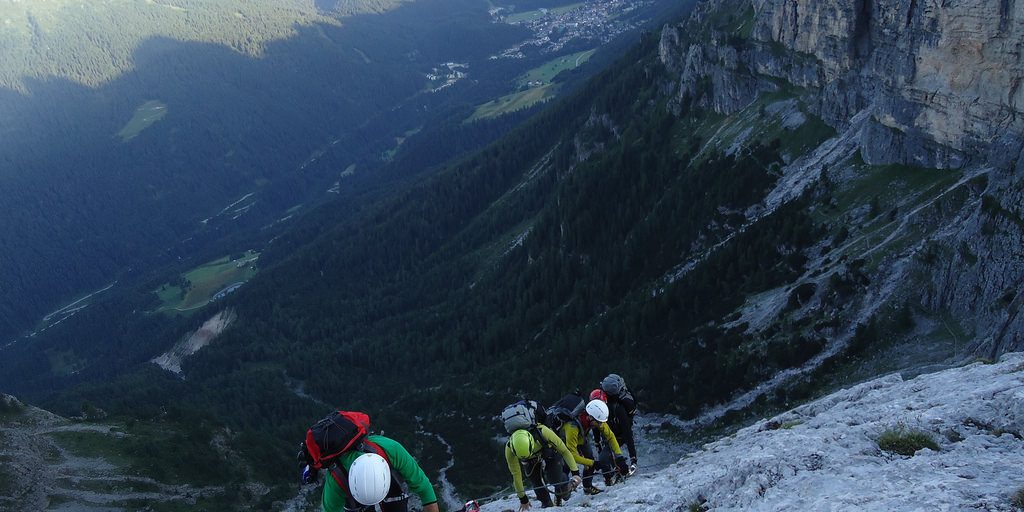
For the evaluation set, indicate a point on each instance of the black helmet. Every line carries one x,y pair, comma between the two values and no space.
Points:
613,384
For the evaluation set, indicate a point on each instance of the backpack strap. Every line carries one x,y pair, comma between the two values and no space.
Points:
341,480
537,436
375,448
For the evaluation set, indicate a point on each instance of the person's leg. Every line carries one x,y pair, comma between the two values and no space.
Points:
556,476
607,462
533,472
587,451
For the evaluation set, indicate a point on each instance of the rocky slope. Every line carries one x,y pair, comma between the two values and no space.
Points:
48,462
826,454
908,85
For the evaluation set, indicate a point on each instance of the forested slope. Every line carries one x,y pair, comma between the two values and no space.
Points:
71,40
543,256
106,169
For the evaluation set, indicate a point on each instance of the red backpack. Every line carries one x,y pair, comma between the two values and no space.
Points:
334,435
339,432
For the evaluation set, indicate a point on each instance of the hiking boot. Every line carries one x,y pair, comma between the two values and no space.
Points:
590,491
558,501
608,481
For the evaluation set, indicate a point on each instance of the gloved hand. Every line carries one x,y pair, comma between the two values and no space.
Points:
575,482
622,465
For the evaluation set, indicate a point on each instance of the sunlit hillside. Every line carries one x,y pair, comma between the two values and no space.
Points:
40,39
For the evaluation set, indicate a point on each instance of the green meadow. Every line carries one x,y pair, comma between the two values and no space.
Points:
515,101
546,72
145,116
206,281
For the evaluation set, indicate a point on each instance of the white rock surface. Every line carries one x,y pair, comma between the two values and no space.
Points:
194,342
825,455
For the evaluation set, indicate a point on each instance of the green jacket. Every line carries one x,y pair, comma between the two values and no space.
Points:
576,436
401,461
550,439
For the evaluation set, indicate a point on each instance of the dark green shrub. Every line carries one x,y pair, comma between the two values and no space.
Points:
905,442
1017,500
10,406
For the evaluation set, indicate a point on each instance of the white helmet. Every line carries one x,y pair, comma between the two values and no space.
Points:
369,479
598,410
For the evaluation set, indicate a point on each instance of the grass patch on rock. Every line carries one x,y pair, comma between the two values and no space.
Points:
1017,500
906,442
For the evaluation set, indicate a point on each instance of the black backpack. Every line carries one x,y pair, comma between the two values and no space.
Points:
338,433
334,435
567,409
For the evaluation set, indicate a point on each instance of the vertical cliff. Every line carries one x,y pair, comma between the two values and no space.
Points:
922,93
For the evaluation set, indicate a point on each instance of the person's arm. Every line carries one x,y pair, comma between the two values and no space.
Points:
625,427
629,403
573,439
517,473
552,438
606,433
333,497
415,478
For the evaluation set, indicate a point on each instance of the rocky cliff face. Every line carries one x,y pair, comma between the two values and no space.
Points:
921,83
940,80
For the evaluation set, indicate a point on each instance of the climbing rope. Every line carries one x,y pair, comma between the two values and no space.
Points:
502,494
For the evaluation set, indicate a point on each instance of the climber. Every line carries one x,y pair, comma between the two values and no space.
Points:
536,452
365,470
622,408
575,434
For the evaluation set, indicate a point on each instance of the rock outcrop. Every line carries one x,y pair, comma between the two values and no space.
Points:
827,454
194,342
923,83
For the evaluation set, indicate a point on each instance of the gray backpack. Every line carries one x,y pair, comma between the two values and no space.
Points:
524,414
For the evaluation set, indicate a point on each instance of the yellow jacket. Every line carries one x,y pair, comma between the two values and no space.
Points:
576,436
550,439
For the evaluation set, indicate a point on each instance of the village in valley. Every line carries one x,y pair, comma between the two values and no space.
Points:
599,21
588,24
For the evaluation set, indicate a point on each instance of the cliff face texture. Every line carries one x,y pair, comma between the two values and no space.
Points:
941,79
925,83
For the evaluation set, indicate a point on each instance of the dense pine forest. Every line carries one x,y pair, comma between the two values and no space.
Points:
142,146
